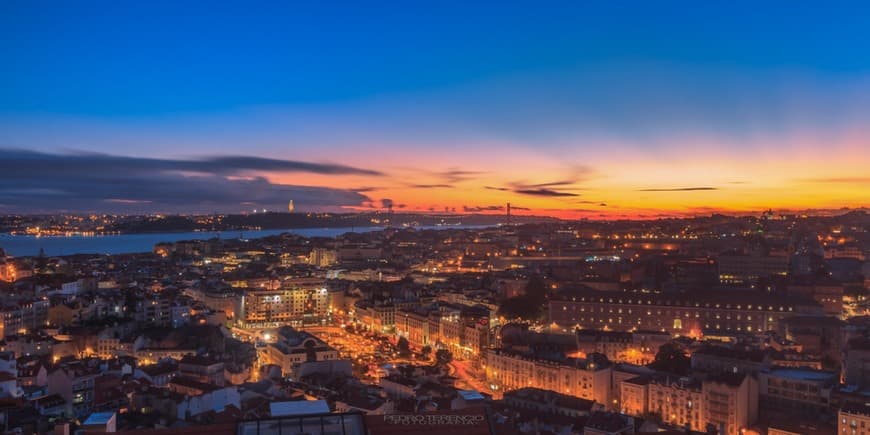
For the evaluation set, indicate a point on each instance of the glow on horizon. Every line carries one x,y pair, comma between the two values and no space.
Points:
803,175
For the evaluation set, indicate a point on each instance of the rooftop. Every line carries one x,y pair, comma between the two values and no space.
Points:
298,407
99,418
803,374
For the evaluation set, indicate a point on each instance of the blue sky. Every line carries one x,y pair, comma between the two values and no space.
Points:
318,81
157,58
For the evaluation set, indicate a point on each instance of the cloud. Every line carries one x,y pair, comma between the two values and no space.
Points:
386,203
678,189
43,182
432,186
476,209
550,188
544,192
549,184
18,162
456,175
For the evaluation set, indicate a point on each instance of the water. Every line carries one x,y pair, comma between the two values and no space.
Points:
22,246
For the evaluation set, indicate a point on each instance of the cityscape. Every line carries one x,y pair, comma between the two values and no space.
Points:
464,219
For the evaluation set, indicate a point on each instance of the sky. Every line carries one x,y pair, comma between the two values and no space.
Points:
611,110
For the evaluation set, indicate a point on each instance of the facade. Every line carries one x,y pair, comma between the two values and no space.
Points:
691,315
378,318
678,401
748,269
202,369
856,363
721,359
293,348
587,378
634,395
227,301
22,317
829,296
298,302
797,390
322,257
726,402
637,347
75,384
414,326
730,402
466,336
621,373
854,421
7,270
550,402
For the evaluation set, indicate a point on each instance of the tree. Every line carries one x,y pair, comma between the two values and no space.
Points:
522,307
403,347
530,306
672,358
536,289
443,357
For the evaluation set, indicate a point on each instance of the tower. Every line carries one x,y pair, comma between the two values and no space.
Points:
508,208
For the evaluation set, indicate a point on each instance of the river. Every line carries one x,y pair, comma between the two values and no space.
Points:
24,245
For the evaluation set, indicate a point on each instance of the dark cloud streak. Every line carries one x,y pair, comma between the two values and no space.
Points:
545,192
33,181
679,189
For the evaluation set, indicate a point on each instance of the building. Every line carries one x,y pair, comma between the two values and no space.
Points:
829,295
587,378
854,421
692,315
298,302
637,347
413,325
379,318
620,373
227,300
856,363
23,316
322,257
730,402
748,269
550,402
7,269
797,390
358,254
202,369
75,384
677,400
733,359
294,348
634,395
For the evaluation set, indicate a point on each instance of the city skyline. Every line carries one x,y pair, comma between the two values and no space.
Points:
569,111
